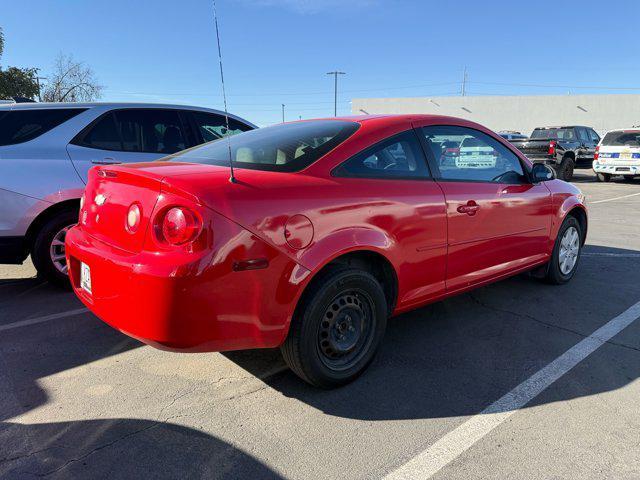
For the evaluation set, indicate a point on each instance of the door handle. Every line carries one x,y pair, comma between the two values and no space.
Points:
105,161
470,208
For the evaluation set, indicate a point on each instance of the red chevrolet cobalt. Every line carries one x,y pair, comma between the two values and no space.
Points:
328,228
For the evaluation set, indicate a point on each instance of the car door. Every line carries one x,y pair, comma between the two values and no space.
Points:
127,136
594,140
497,220
390,182
586,148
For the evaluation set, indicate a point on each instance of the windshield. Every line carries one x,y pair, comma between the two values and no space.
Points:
554,134
287,147
629,138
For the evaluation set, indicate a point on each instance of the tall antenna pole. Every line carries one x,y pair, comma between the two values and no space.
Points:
464,81
232,177
335,90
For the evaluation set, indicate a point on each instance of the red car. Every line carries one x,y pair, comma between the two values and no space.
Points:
329,228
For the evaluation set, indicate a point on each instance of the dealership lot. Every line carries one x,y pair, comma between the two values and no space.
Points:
80,400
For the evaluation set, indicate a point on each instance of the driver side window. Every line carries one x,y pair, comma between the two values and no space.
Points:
467,155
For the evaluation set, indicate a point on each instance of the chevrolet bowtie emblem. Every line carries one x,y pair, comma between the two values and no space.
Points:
100,199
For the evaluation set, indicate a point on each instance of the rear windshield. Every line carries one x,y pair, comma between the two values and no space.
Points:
629,138
554,134
287,147
18,126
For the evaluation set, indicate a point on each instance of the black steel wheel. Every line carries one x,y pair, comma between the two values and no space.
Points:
337,327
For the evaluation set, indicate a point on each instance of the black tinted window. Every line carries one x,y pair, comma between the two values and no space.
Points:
594,136
465,154
583,135
19,126
287,147
103,135
212,127
150,131
397,157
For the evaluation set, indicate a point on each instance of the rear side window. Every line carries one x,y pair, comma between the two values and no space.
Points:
136,130
629,138
213,127
286,147
397,157
553,134
18,126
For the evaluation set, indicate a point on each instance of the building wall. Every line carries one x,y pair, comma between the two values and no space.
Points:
520,113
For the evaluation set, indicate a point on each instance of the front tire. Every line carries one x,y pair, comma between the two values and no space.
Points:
603,177
566,252
337,328
48,252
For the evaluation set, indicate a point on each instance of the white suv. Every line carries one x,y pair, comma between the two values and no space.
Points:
46,150
618,153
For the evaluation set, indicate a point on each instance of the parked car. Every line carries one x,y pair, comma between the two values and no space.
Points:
329,227
563,148
512,135
618,153
46,151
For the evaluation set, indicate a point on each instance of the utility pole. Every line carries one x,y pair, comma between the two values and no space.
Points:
282,112
464,81
335,90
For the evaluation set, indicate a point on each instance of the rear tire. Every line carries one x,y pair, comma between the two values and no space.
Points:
564,171
628,178
47,253
603,177
337,328
567,248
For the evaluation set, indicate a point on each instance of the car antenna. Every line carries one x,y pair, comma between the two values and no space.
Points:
232,177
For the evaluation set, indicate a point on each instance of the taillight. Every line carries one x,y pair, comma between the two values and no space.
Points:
597,154
133,218
552,147
179,225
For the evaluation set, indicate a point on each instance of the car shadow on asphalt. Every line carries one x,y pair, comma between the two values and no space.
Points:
456,357
121,448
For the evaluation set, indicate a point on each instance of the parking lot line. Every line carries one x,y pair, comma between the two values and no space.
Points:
455,443
45,318
605,254
614,198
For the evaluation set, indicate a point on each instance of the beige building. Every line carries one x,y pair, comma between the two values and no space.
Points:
520,113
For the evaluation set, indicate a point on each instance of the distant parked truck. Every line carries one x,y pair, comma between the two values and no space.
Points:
562,148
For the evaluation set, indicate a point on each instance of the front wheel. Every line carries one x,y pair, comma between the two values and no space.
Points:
337,328
603,177
566,253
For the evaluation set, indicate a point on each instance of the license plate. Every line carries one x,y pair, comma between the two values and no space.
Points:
85,277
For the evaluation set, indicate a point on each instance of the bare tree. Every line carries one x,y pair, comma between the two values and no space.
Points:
71,81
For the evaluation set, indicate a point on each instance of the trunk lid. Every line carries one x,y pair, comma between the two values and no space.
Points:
109,193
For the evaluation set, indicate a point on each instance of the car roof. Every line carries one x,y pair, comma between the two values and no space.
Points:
398,119
112,105
561,126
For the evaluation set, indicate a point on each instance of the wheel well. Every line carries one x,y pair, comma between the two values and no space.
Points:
581,217
44,216
374,263
570,155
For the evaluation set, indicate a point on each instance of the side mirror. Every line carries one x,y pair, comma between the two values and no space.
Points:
542,173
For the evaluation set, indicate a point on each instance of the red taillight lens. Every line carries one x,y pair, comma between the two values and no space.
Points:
133,218
179,225
552,147
597,154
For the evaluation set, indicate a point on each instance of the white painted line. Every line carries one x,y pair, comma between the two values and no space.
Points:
614,198
46,318
455,443
604,254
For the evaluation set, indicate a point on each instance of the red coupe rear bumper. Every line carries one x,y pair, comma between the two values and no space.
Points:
174,301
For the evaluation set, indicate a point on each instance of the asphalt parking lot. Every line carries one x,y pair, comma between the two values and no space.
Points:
80,400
